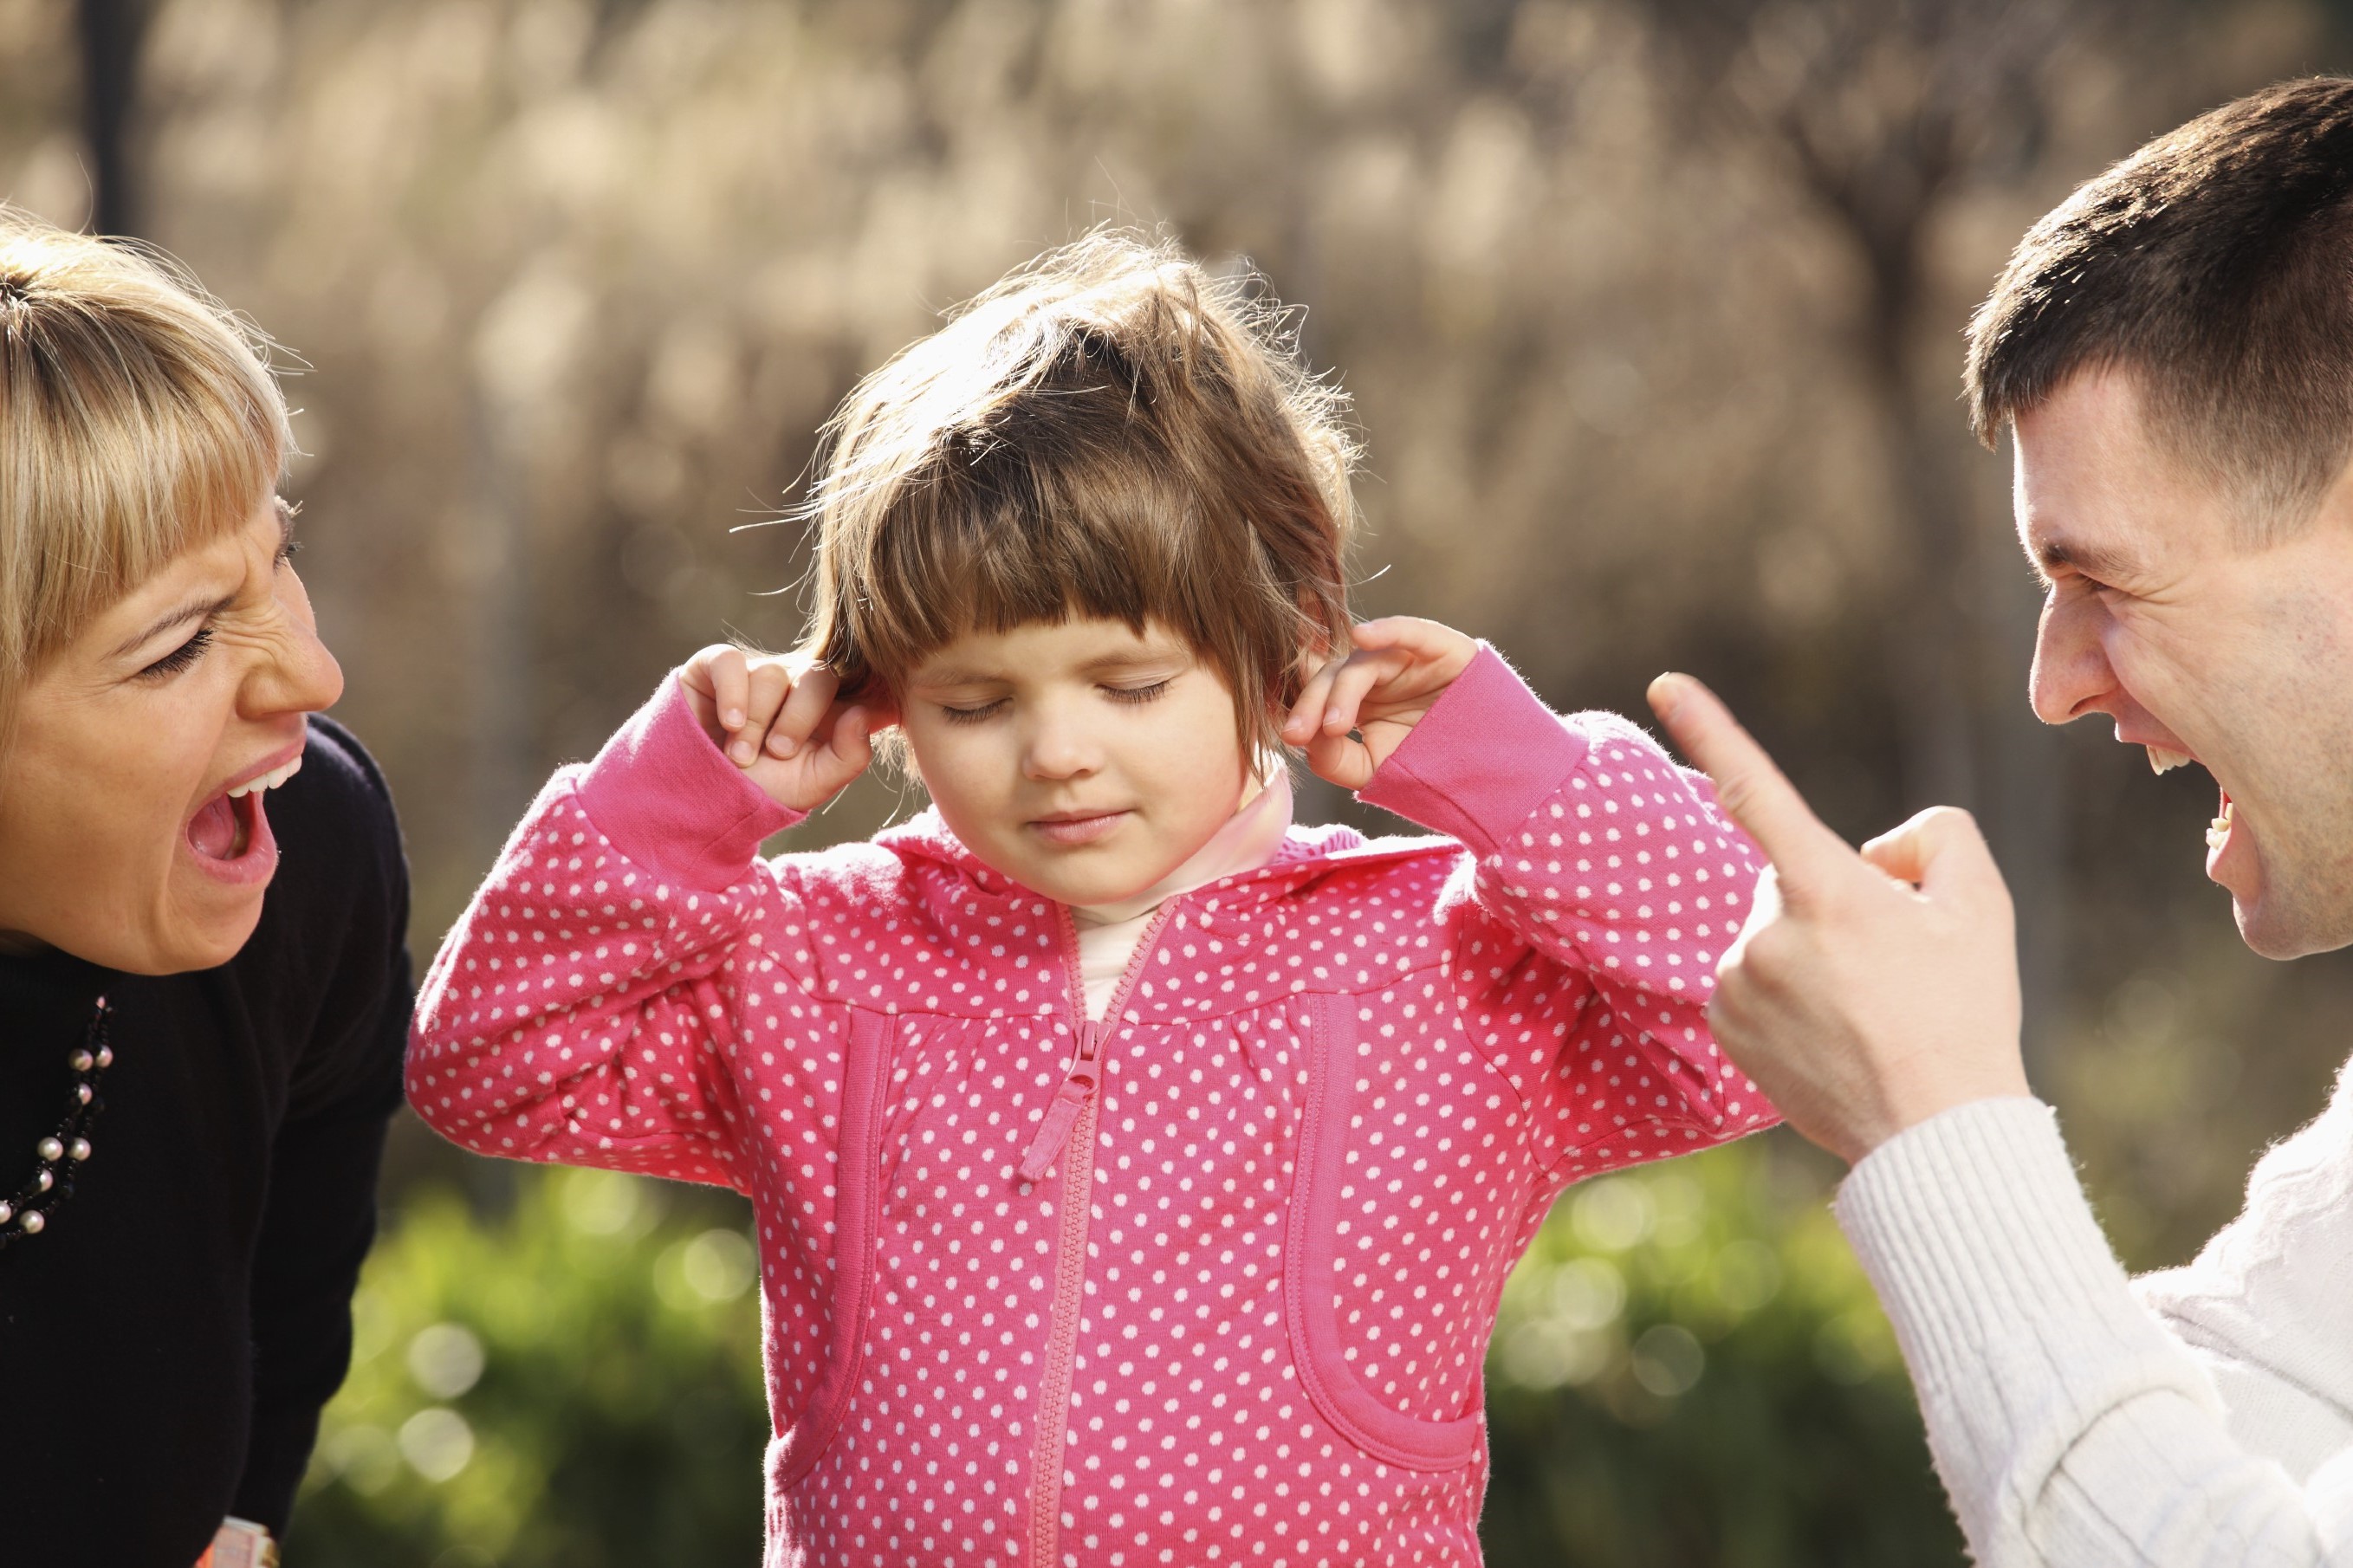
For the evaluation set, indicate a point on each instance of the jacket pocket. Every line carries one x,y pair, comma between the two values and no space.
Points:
1310,1304
856,1208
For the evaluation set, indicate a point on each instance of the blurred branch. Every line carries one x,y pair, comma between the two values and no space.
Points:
109,32
1878,113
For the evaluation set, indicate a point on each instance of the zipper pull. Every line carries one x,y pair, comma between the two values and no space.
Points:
1054,1131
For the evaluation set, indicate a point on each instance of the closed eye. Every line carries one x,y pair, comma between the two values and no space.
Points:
970,715
181,657
1137,693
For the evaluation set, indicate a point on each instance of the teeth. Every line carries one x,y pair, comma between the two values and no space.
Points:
2218,832
270,780
2162,761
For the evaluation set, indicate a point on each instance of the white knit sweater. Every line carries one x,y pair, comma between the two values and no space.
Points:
2204,1416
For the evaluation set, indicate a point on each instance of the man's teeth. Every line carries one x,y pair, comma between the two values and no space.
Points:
270,780
2218,832
2162,761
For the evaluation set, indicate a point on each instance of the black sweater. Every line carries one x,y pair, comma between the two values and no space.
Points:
167,1343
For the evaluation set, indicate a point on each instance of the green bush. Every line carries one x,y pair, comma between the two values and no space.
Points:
1689,1368
574,1385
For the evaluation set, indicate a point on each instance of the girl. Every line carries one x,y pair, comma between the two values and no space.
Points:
1135,1173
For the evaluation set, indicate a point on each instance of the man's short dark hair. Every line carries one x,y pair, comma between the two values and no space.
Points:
2215,265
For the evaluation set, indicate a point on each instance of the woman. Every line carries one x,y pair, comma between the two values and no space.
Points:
202,986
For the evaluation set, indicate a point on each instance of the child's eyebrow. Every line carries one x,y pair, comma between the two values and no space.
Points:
953,676
959,675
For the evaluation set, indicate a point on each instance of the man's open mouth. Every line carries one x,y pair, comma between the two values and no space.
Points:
2163,760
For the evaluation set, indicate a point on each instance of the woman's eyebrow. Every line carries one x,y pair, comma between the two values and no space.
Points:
161,624
195,609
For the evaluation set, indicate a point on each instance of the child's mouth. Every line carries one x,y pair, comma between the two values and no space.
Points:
1070,832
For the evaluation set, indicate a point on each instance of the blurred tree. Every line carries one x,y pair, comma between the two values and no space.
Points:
1643,305
1882,114
109,32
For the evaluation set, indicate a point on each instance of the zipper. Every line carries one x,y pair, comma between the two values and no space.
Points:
1067,1134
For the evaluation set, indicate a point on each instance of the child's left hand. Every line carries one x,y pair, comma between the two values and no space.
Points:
1401,666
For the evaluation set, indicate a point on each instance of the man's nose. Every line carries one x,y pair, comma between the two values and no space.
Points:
2070,676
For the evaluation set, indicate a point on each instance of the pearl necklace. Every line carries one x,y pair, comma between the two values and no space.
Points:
25,1214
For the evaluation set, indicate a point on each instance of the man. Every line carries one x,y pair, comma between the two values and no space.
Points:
2172,351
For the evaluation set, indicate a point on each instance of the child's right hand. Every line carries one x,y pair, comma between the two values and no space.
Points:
776,719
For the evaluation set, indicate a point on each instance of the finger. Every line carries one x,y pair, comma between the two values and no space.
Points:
1342,761
845,748
812,697
1306,716
729,675
1939,851
1392,631
1359,676
1754,792
765,687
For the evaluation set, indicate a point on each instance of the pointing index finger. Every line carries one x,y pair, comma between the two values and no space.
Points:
1755,792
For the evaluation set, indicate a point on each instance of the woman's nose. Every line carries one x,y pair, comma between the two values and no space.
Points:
2071,676
300,675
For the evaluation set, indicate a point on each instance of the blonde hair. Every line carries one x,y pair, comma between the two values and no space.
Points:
1109,432
138,418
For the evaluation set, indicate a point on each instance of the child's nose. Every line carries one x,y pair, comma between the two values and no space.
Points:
1058,749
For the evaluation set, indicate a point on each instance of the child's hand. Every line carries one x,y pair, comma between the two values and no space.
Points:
1400,668
780,723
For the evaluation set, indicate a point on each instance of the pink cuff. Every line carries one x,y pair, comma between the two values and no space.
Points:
1485,755
672,802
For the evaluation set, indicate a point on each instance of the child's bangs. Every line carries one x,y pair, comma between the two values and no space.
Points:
978,548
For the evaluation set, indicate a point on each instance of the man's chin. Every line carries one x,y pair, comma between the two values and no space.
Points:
2282,929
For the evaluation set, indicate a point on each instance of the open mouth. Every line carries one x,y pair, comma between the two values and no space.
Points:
2218,832
229,834
2163,760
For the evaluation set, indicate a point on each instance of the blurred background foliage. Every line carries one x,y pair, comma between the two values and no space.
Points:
1651,310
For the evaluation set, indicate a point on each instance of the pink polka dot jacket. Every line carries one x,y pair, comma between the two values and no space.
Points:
1209,1282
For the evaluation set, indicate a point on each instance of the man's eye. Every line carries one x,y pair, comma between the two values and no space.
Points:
179,658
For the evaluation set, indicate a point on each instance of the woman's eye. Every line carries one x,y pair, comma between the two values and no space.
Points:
970,715
179,658
287,550
1136,693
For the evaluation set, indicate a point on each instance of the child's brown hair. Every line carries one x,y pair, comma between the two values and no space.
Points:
1109,432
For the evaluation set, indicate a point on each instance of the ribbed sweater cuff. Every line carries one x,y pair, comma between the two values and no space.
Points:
2018,1323
1973,1221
